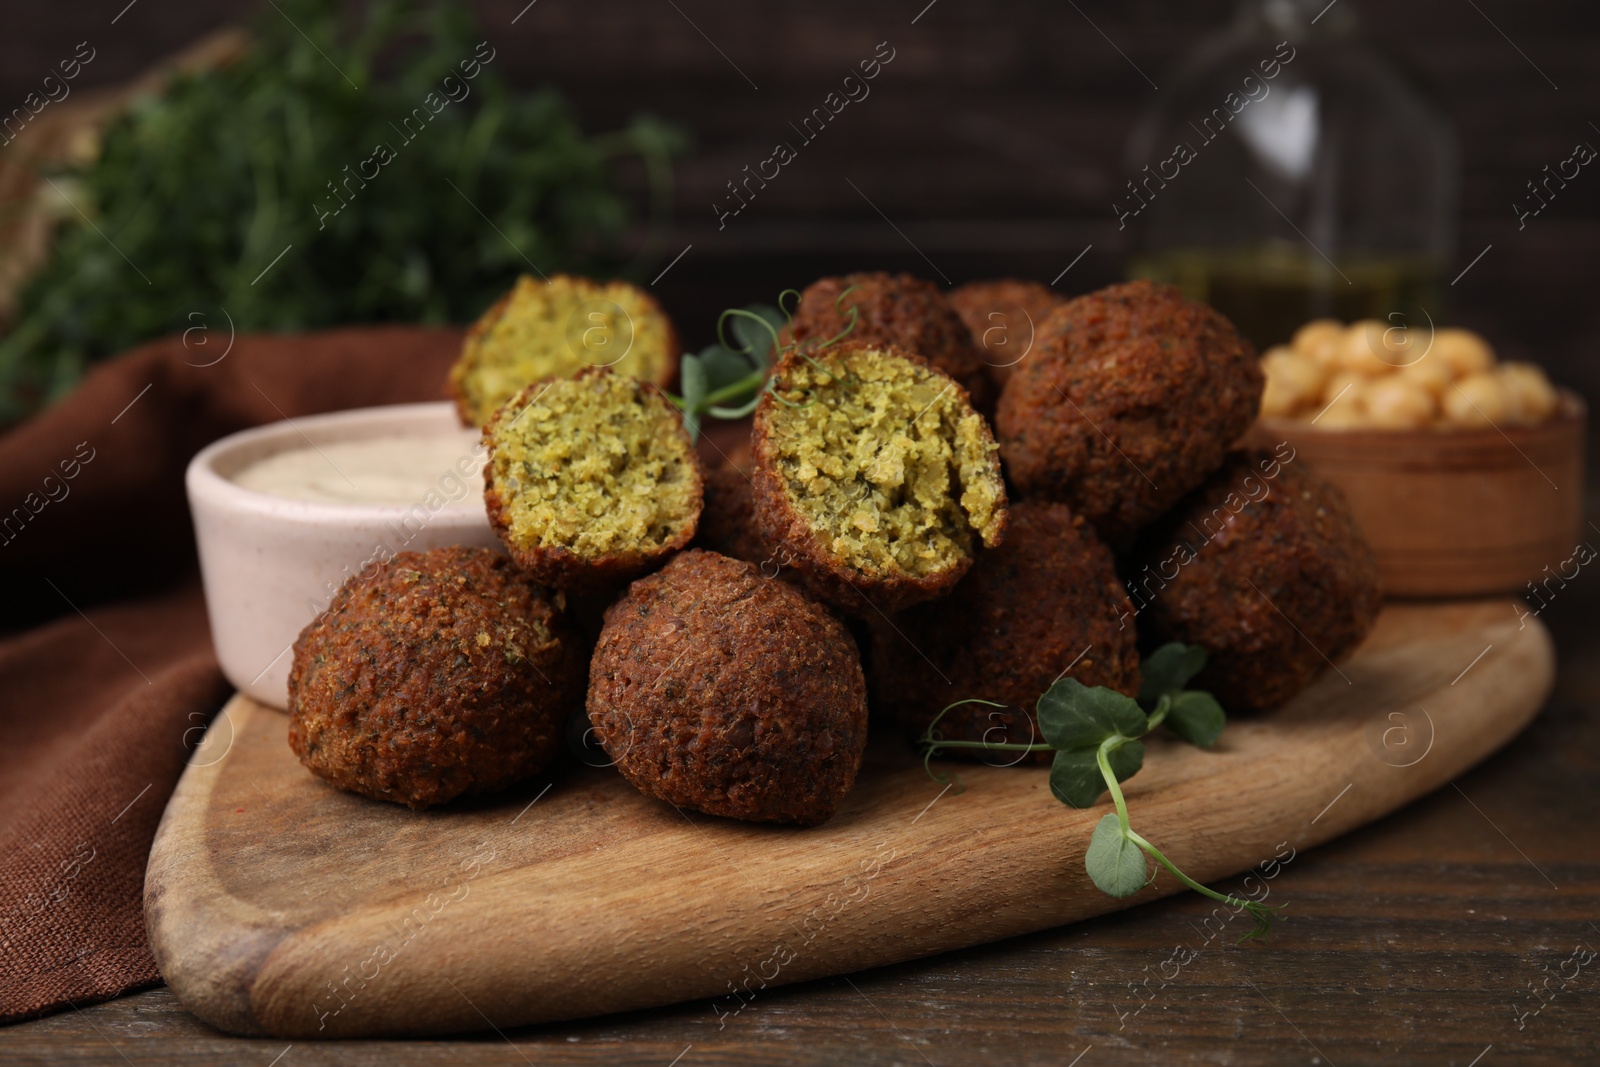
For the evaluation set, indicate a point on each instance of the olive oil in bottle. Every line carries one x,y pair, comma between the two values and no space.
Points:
1291,171
1270,290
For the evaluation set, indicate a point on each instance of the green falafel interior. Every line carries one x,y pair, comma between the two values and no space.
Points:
597,464
555,328
885,457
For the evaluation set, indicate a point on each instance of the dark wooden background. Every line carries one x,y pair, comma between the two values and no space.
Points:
994,141
995,138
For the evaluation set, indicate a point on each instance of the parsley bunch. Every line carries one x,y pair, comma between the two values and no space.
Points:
201,186
1096,733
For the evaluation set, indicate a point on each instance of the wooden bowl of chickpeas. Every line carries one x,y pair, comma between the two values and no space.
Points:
1466,473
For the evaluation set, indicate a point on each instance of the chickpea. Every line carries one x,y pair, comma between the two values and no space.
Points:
1462,351
1344,388
1401,346
1362,349
1429,374
1318,339
1478,400
1533,398
1396,403
1293,381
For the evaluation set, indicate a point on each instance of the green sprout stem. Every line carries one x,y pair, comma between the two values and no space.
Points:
1102,757
746,350
934,745
999,746
1159,715
761,380
1259,912
1084,719
738,388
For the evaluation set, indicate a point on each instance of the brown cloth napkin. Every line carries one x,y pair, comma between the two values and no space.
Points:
107,676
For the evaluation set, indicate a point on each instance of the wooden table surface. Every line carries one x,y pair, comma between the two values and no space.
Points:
1417,940
1414,940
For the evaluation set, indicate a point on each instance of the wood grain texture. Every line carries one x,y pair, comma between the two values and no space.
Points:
269,894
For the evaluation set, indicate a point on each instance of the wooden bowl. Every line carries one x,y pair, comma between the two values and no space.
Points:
1455,512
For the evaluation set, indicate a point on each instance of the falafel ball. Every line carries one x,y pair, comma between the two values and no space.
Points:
716,689
1129,400
1003,316
1046,604
894,309
591,480
1272,577
554,329
873,476
443,674
728,519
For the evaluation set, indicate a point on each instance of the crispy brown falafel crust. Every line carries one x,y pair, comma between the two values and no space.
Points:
1131,396
558,565
991,311
446,673
716,689
900,310
1278,576
1046,604
728,520
791,539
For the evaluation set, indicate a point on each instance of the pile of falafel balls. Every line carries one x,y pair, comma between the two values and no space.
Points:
973,494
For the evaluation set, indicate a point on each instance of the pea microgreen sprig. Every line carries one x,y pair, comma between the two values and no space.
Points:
1096,733
725,380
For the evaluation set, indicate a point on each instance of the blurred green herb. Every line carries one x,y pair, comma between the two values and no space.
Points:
1095,734
202,185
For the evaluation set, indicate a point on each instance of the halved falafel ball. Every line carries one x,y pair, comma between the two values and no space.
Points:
902,310
1004,316
1046,604
445,673
716,689
874,477
1129,400
1265,567
554,329
590,480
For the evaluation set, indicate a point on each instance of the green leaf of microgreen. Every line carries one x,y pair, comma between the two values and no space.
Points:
1093,733
723,368
1167,670
754,330
726,379
693,382
1197,718
1116,864
1072,715
1075,776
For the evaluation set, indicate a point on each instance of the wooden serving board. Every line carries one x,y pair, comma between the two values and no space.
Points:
277,905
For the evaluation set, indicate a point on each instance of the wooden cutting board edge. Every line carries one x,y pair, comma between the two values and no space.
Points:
1019,869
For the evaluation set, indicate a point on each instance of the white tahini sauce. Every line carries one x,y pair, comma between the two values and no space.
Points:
379,470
